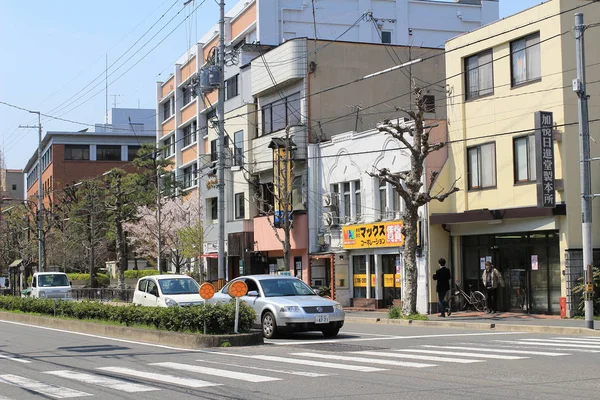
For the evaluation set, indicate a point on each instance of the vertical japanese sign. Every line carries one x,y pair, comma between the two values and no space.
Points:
544,155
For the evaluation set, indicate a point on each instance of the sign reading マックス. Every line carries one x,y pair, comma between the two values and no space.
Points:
376,234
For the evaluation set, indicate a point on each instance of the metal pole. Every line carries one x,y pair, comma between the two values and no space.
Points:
221,150
40,222
584,168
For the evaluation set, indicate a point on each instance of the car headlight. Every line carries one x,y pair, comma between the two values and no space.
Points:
290,309
42,294
339,307
170,302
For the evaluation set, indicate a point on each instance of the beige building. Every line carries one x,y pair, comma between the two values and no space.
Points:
498,77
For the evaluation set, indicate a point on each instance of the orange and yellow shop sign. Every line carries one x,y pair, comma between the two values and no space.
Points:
377,234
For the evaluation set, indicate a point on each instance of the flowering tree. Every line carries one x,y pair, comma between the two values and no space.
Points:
177,215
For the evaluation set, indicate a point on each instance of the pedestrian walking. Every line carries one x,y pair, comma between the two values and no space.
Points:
491,280
442,276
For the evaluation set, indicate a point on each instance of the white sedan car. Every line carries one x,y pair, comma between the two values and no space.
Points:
167,291
285,303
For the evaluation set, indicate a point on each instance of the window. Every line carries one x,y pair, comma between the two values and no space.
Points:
281,113
238,148
479,79
214,210
482,166
347,212
386,37
231,87
132,152
357,202
526,59
169,147
189,134
524,158
190,175
168,109
239,206
77,152
382,197
187,94
429,103
213,150
108,153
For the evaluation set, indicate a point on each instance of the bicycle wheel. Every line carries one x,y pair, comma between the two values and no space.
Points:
478,299
457,302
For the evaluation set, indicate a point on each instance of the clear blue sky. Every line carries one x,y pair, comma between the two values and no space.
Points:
52,49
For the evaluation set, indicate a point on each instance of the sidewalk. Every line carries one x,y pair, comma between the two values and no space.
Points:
505,321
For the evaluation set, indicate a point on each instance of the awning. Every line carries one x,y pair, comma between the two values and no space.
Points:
16,263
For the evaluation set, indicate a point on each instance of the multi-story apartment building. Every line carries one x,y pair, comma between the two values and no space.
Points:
499,77
252,29
69,157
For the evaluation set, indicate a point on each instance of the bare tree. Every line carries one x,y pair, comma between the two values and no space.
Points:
409,185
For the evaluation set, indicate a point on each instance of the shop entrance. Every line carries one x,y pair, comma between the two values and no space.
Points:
529,263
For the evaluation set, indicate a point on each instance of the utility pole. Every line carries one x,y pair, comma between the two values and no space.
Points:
584,169
40,208
221,150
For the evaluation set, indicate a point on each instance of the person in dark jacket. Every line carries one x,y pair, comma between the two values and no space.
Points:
442,276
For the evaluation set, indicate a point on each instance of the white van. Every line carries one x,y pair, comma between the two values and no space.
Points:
51,285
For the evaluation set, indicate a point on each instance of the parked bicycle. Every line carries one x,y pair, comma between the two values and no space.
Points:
460,300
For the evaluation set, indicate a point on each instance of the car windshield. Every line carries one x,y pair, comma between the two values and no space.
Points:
53,280
285,287
178,286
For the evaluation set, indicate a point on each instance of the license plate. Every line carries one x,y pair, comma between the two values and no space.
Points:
322,319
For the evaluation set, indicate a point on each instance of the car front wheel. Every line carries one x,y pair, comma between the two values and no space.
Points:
330,331
269,325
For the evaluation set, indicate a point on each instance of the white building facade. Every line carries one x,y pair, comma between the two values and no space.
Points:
356,218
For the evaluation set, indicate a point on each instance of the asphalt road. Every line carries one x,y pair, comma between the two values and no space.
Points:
364,362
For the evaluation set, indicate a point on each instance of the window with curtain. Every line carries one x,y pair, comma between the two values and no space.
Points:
482,166
479,78
526,59
524,159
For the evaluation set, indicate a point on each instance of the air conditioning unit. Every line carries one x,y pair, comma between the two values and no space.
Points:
330,200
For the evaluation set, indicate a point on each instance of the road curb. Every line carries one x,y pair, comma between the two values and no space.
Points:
164,338
554,330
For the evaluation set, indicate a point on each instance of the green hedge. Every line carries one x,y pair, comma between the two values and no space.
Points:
132,274
102,279
220,317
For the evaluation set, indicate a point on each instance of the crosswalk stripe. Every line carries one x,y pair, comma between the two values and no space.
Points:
42,388
279,371
170,379
112,383
418,357
534,353
550,344
14,359
365,360
288,360
562,341
242,376
456,353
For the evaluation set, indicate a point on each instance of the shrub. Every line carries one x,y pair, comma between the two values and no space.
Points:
219,317
134,274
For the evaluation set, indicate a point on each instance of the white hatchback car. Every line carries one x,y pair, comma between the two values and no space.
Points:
167,291
285,303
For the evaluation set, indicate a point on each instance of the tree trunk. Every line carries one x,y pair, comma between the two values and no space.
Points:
409,290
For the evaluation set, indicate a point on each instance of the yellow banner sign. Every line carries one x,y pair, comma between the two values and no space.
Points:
377,234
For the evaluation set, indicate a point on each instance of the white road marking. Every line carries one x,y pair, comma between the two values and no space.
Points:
41,388
534,353
279,371
242,376
418,357
574,341
21,360
539,343
366,360
391,338
112,383
312,363
456,353
170,379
